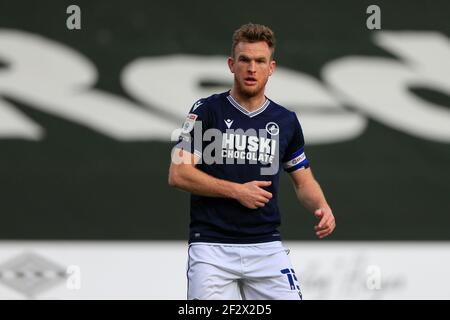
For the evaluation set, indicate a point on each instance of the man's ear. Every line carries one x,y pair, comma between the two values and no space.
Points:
272,66
231,64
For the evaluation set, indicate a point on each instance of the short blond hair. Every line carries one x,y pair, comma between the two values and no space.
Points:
251,32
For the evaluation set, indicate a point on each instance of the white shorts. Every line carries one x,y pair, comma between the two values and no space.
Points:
261,271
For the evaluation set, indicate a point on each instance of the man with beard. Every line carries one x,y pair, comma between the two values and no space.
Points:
235,250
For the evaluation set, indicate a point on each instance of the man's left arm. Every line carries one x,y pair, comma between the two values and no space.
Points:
312,198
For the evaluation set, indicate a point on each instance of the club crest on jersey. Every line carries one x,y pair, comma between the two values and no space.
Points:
272,128
188,124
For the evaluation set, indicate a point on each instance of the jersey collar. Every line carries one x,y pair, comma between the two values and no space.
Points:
252,114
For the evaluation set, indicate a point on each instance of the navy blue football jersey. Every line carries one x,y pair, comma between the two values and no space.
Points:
240,146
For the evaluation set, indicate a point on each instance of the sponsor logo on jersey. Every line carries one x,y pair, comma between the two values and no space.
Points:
228,123
248,147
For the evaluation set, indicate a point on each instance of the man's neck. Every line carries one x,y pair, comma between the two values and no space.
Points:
249,103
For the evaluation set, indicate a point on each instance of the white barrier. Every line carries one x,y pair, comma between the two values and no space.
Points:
157,270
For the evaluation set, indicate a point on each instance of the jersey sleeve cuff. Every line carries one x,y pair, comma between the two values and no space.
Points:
297,161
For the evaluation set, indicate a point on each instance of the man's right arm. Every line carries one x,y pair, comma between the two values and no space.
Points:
184,175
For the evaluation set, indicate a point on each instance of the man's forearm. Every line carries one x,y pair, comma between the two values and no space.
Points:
195,181
311,196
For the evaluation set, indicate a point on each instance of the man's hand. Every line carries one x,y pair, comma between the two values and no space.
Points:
326,223
252,195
